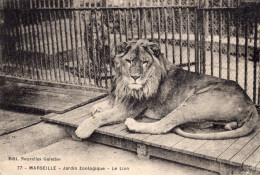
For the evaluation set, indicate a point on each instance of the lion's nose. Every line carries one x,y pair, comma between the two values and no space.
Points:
135,77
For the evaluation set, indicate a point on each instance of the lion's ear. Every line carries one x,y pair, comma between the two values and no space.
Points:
155,48
121,48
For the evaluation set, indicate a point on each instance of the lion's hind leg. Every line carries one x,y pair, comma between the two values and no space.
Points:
162,126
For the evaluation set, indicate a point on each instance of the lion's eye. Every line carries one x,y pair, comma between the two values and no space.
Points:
128,61
145,62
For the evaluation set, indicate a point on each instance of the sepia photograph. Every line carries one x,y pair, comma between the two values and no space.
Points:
129,87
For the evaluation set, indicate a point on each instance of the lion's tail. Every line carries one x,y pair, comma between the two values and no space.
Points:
244,130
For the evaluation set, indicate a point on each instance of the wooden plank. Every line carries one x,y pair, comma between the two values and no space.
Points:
151,140
189,146
258,167
167,141
11,121
116,132
207,147
114,141
75,117
73,114
247,150
68,114
182,144
53,84
105,129
46,104
54,91
137,137
253,160
76,122
46,99
83,110
49,116
184,158
229,153
220,148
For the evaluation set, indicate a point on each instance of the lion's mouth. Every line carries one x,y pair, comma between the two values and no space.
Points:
135,86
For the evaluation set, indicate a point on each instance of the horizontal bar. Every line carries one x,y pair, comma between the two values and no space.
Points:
99,8
53,84
223,8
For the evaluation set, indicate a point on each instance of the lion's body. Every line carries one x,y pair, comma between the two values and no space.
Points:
171,95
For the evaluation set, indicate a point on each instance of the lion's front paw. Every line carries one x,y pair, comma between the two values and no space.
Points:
131,124
86,128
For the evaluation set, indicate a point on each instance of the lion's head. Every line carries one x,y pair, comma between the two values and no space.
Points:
140,67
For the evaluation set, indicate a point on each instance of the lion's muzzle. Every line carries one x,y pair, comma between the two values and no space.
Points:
135,72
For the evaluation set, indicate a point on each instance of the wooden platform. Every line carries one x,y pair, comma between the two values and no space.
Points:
233,156
15,120
43,98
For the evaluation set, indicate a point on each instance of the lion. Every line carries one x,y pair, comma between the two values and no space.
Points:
149,84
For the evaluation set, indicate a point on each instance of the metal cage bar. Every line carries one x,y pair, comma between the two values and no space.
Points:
66,43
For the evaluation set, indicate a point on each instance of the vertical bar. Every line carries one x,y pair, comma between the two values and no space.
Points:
126,25
109,46
67,42
228,45
120,30
220,44
104,59
71,44
165,31
211,41
246,60
2,39
114,28
132,21
53,46
159,26
237,44
255,61
82,50
26,46
139,24
62,45
173,35
180,34
35,45
97,49
11,35
39,43
86,40
74,17
20,34
6,45
44,44
23,36
151,11
188,37
48,46
30,39
203,41
144,19
92,49
196,41
15,35
19,38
